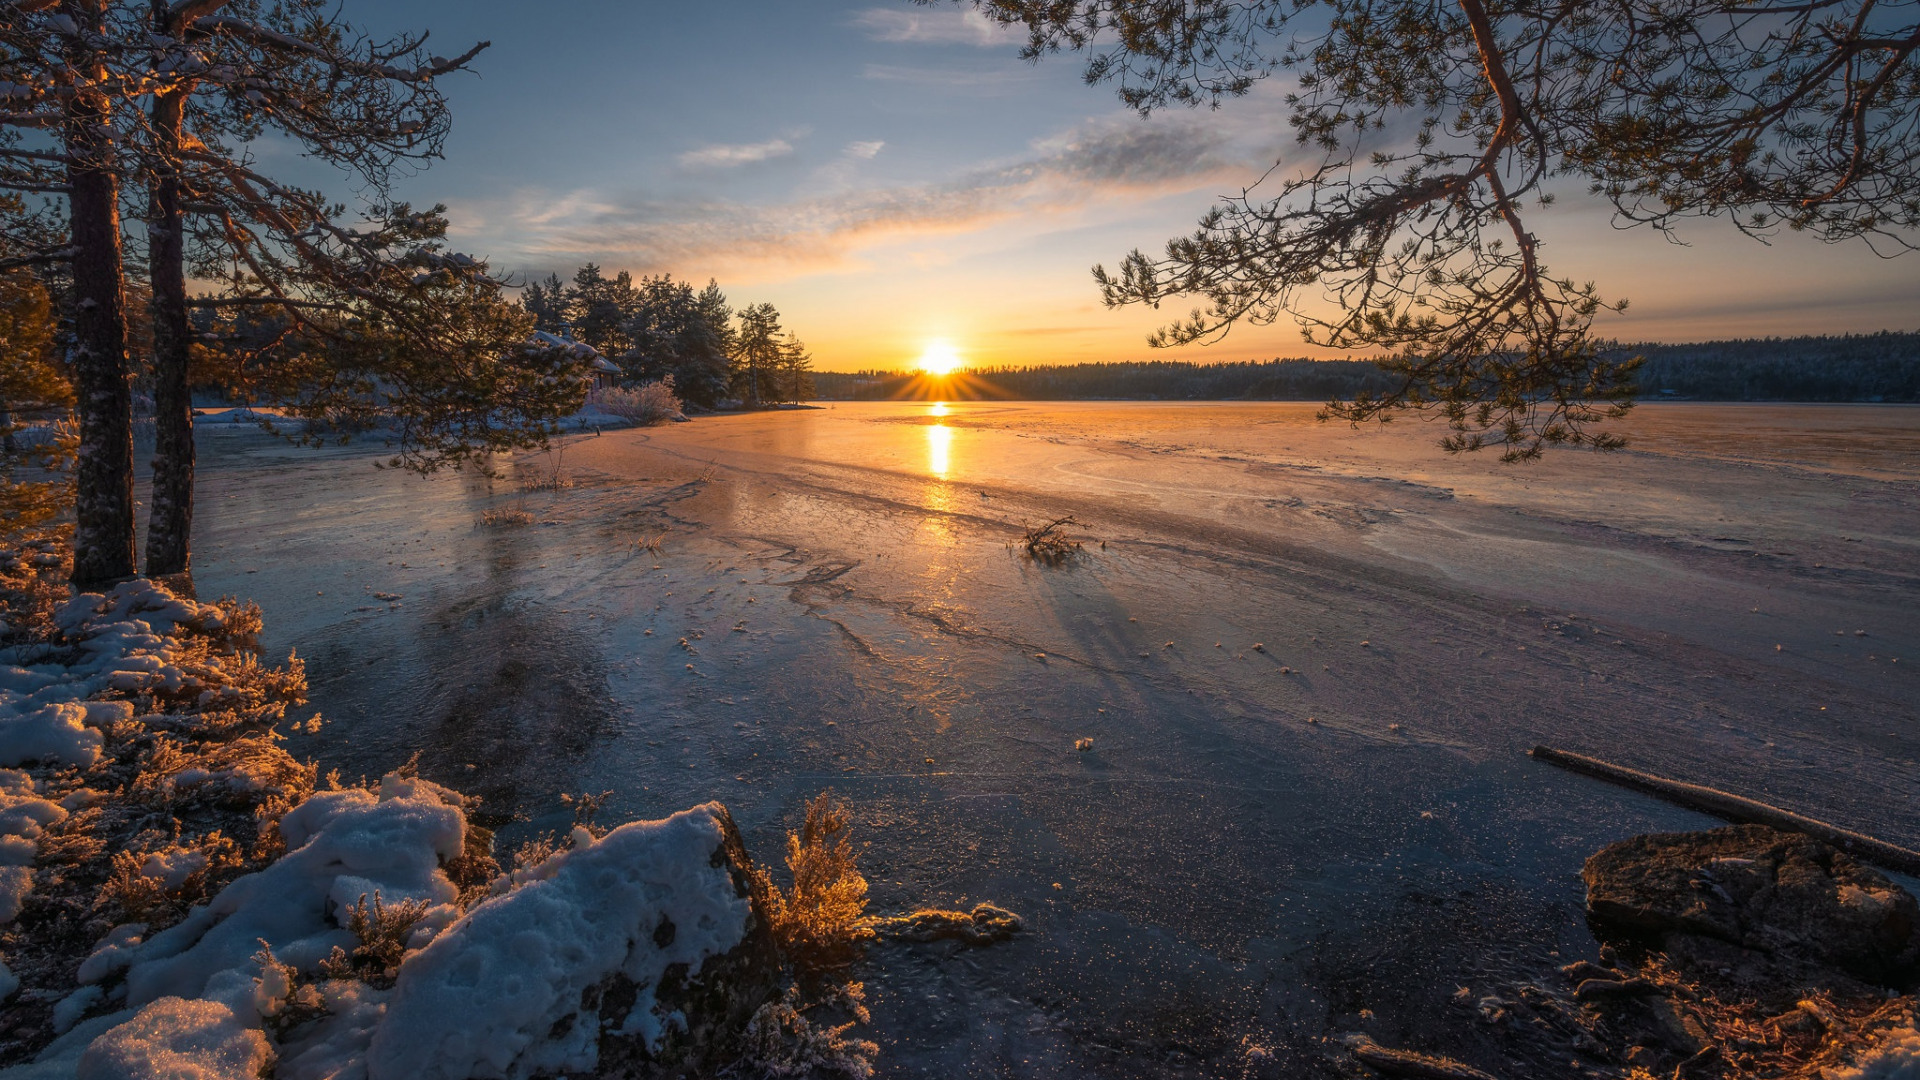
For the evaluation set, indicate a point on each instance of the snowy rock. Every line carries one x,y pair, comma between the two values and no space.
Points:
343,845
1773,897
172,1039
639,954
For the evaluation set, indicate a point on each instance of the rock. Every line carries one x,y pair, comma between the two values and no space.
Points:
1786,897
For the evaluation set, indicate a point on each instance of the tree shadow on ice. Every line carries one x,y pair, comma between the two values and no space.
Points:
521,699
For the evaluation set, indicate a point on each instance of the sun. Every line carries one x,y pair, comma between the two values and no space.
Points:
939,359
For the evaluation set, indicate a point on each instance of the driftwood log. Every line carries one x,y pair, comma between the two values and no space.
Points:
1736,809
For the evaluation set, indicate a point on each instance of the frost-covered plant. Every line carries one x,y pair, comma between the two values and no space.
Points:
646,404
780,1042
821,921
157,886
383,930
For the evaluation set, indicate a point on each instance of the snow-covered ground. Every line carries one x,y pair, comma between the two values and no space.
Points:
1310,661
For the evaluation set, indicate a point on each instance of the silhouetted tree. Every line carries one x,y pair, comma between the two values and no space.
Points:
229,71
757,354
793,371
546,301
1433,127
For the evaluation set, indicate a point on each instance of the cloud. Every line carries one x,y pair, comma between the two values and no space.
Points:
995,80
866,151
1121,160
933,28
727,157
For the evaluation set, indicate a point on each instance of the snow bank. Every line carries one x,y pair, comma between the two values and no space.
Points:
342,845
504,991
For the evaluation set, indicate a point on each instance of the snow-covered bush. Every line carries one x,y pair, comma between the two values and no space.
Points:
646,404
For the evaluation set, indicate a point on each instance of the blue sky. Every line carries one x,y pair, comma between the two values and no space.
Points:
889,175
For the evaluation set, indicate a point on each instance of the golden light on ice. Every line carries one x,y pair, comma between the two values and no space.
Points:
939,449
939,359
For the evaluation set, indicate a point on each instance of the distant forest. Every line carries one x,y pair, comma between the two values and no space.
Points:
1856,367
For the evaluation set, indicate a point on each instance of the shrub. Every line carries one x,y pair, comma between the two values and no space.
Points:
821,922
646,404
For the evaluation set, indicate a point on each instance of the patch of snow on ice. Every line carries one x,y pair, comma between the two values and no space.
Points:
486,996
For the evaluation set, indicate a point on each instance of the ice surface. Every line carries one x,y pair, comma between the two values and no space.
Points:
1217,868
485,998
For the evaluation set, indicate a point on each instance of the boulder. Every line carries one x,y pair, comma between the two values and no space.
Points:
1720,898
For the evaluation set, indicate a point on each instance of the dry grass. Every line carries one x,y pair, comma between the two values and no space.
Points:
1824,1032
503,516
1049,544
653,542
820,922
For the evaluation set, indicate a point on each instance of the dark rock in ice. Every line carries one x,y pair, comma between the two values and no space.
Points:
1729,898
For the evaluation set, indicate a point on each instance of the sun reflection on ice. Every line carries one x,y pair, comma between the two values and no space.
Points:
939,449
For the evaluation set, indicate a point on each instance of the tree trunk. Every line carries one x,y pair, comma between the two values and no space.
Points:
170,513
103,501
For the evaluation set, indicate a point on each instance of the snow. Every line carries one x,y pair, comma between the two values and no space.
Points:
71,1008
1897,1057
485,997
172,1039
342,845
56,732
122,645
334,1047
15,883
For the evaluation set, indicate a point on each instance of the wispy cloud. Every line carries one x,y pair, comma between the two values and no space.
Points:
729,156
865,151
996,80
932,27
1122,160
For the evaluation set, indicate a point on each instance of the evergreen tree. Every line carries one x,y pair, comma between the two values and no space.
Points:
757,354
546,301
794,371
671,337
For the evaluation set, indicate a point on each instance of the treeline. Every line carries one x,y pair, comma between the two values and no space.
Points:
1856,367
657,328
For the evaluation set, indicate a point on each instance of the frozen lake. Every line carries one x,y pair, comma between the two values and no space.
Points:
1263,843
